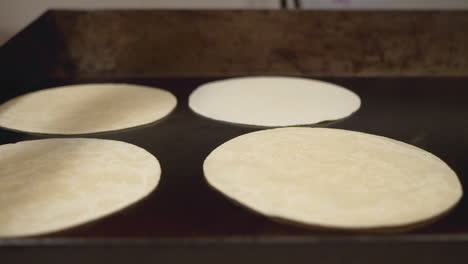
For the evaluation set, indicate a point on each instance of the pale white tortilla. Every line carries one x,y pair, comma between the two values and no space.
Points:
87,108
53,184
333,178
273,101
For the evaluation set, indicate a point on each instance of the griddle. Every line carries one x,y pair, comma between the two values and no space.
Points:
185,219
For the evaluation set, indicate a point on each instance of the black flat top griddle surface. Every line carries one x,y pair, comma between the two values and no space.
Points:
431,113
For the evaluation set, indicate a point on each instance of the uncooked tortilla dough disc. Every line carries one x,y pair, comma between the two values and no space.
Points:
273,101
333,178
88,108
53,184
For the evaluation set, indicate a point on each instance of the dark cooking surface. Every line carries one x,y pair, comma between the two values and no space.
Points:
430,113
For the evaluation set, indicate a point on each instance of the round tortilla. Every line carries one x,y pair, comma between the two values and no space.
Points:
88,108
53,184
273,101
333,178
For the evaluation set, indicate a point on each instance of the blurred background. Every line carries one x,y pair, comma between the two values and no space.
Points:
16,14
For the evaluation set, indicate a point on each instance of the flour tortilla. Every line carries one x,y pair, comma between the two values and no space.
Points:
273,101
88,108
333,178
53,184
